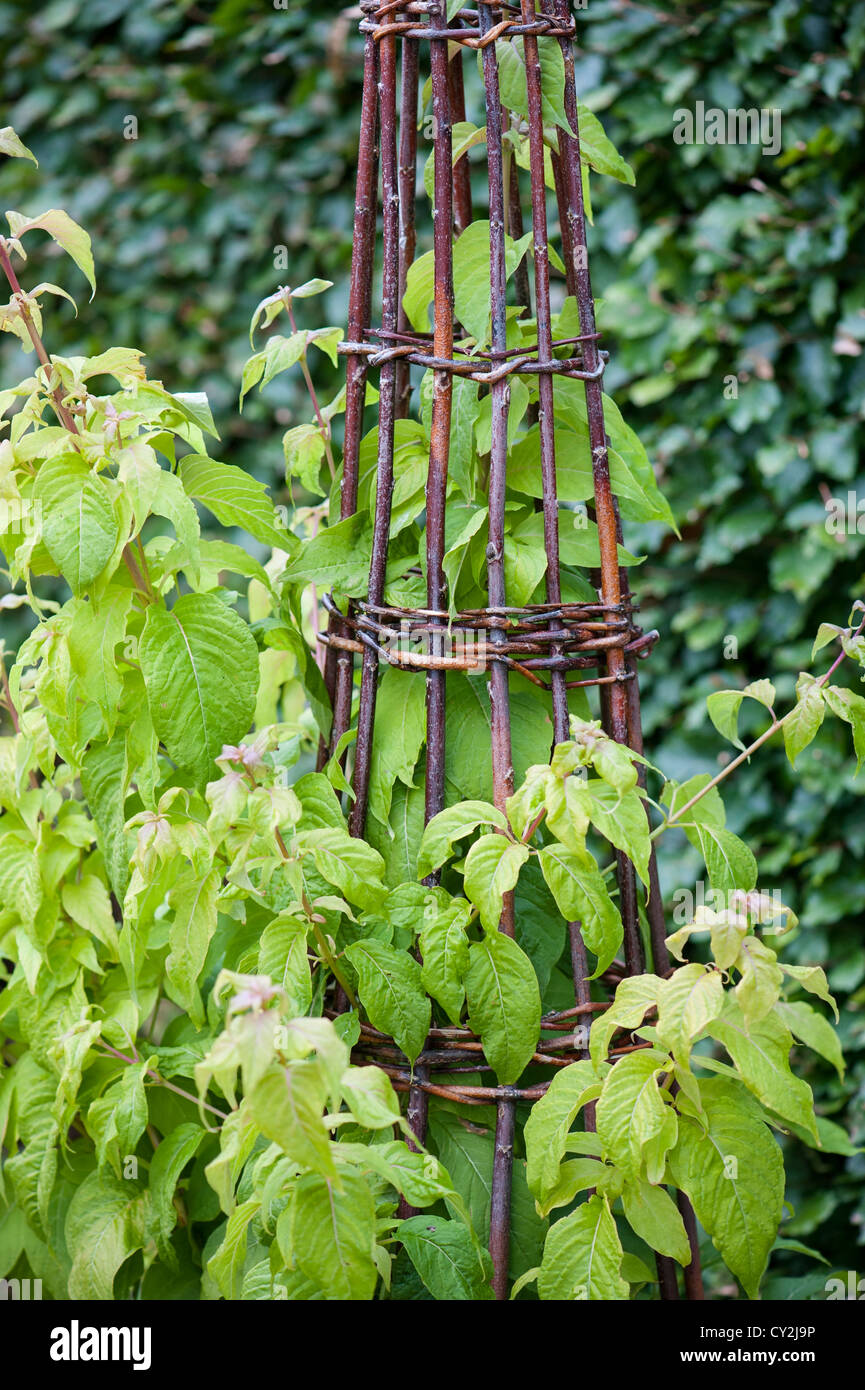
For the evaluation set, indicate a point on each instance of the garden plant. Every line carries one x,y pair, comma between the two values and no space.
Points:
196,939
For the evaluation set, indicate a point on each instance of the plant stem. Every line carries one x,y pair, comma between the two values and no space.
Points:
62,411
160,1081
64,415
321,941
323,426
746,752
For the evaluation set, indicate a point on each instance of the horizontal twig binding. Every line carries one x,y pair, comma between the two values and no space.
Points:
469,34
514,364
538,637
451,1052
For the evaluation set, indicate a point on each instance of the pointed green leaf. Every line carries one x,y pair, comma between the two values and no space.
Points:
391,990
504,1004
79,525
200,667
105,1224
59,225
734,1175
812,1029
635,1125
581,895
583,1257
654,1217
549,1123
235,498
334,1235
287,1104
492,868
451,1264
803,721
761,1054
452,825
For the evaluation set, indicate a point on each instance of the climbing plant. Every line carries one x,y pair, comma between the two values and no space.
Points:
181,893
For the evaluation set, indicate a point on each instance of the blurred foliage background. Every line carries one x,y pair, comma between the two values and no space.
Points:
733,305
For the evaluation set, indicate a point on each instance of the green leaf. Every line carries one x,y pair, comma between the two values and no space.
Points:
621,817
761,1054
200,667
583,1257
513,83
709,810
444,950
654,1217
20,882
568,804
419,291
166,1166
400,730
826,633
226,1266
729,862
392,992
350,864
813,979
734,1175
11,145
451,825
723,708
277,356
812,1029
634,996
337,558
635,1125
105,1224
311,288
235,499
334,1235
419,1177
79,526
451,1264
282,956
549,1123
104,780
464,135
689,1000
370,1097
59,225
504,1004
287,1104
472,276
760,985
805,718
469,1152
96,629
850,707
598,150
304,450
492,868
579,1175
169,500
581,895
87,902
193,923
